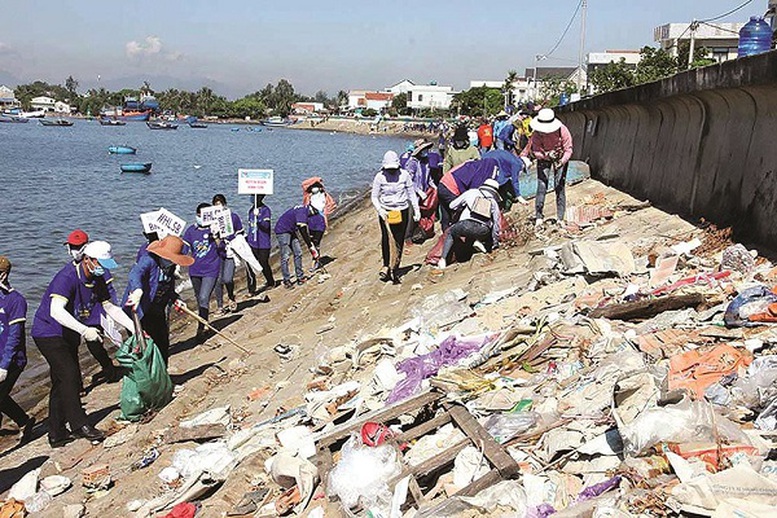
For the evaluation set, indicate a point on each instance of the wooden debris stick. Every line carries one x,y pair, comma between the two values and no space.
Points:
202,432
644,309
495,454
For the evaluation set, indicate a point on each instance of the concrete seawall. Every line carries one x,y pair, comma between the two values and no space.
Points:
702,143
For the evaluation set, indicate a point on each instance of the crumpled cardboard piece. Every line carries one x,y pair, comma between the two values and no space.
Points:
740,482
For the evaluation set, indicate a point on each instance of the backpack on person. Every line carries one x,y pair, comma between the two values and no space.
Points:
481,208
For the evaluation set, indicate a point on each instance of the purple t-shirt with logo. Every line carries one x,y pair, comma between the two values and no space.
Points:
287,223
13,314
206,253
317,222
82,296
259,225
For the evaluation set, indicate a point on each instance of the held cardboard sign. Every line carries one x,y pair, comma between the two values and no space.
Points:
219,218
163,222
255,181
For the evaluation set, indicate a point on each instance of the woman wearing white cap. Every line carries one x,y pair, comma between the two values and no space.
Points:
551,146
60,322
392,196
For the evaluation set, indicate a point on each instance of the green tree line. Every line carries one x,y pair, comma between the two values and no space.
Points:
271,100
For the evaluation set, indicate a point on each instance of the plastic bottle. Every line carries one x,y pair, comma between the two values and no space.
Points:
755,37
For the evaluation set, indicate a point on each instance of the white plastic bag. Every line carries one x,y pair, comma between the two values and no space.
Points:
362,475
503,427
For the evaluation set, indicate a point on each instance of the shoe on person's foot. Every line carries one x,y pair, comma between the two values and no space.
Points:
58,442
395,277
384,274
232,306
441,264
27,431
480,247
302,280
288,285
90,432
538,223
223,311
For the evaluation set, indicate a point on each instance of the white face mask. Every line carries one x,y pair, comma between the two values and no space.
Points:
4,279
76,253
318,201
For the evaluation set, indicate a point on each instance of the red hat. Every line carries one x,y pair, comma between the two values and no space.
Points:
77,238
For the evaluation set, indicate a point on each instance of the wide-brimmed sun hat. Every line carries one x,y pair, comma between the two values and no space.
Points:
420,145
545,121
492,185
171,248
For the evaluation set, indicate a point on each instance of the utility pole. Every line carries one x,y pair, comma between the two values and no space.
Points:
692,48
583,18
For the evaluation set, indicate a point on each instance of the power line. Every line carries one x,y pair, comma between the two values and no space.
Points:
564,34
719,28
715,18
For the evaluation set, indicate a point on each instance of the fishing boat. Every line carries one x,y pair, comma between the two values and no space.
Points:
111,122
125,114
161,125
234,129
121,150
136,167
35,114
56,122
13,119
275,122
198,125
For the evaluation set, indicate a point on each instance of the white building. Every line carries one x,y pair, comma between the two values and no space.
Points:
720,39
7,98
520,88
43,103
596,60
402,87
368,99
307,108
63,108
430,96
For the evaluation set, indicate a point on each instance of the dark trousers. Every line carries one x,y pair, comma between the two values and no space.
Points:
446,197
64,399
154,322
8,406
97,349
263,256
392,240
545,170
203,288
469,230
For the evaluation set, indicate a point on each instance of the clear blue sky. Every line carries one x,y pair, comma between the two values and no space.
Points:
238,46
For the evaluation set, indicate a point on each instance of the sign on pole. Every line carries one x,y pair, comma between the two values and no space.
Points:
255,181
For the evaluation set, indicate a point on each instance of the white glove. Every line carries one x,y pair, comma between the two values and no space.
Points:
91,334
134,298
382,214
522,200
3,374
416,216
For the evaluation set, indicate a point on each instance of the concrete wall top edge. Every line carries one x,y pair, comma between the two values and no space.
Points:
750,71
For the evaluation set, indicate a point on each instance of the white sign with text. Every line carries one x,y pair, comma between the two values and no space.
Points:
255,181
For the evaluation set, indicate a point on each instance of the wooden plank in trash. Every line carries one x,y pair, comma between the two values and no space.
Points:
422,429
379,416
487,480
644,309
498,457
203,432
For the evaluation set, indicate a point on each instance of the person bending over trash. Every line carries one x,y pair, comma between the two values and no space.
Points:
151,288
290,226
59,324
479,222
13,351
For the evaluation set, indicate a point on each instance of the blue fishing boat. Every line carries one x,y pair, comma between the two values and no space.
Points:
121,150
136,167
13,119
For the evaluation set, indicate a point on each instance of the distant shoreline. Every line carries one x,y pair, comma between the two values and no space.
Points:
361,127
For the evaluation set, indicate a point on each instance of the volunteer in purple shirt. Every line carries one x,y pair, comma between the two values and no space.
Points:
151,288
207,250
59,324
76,242
258,238
292,225
227,273
13,352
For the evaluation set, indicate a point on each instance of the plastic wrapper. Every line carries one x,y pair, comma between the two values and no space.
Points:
687,421
749,302
361,477
503,427
419,368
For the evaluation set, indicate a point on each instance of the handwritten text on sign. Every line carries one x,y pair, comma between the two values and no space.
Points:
163,222
218,218
255,181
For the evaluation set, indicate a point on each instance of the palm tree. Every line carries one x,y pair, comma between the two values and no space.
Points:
509,86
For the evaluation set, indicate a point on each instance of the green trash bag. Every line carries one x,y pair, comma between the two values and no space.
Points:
146,384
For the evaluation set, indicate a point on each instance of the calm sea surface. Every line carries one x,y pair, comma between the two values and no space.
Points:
54,180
